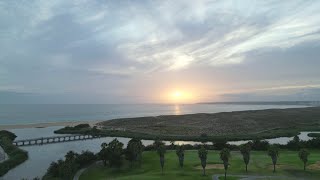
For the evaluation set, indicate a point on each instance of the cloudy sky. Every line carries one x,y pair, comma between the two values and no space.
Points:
158,51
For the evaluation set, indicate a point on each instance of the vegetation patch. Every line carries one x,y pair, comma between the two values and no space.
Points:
260,161
315,166
231,126
280,166
314,134
66,169
16,155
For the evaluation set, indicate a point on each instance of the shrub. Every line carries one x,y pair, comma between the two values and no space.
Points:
82,126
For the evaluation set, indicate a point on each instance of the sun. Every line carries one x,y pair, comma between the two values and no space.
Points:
179,96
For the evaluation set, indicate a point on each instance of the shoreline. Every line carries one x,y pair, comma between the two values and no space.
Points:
45,125
118,120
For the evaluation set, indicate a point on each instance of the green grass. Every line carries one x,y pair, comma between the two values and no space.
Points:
260,164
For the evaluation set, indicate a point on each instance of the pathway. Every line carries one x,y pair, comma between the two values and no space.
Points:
79,173
252,177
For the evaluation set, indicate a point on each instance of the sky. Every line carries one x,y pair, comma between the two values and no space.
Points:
159,51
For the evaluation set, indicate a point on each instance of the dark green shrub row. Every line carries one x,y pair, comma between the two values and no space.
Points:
314,134
66,169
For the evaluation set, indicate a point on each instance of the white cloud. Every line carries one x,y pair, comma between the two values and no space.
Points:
283,29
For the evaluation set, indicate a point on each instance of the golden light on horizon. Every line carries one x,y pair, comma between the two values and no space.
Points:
180,96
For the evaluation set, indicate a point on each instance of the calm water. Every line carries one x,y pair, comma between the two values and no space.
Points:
26,114
40,157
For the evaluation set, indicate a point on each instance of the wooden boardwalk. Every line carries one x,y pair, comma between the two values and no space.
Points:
53,139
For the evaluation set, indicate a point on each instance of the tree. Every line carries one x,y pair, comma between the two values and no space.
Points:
85,158
259,145
161,151
303,155
134,150
157,143
103,154
202,153
245,151
115,151
172,145
220,144
294,144
53,169
180,154
225,156
70,156
112,153
273,152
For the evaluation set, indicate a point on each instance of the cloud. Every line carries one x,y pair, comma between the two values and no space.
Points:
162,33
49,46
283,94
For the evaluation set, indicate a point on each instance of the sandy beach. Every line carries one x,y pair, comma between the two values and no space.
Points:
44,125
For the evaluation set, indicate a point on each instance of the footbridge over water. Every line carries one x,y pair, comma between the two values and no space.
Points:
53,139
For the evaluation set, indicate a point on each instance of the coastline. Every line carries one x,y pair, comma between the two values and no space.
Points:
44,125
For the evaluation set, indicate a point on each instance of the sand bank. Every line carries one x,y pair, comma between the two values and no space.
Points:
44,125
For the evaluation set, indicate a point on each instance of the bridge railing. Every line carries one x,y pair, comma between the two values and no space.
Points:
53,139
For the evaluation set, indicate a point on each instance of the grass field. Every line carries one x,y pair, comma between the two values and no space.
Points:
260,164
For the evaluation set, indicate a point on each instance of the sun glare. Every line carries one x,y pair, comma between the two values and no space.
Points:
179,96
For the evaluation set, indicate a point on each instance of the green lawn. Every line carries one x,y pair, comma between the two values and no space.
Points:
260,164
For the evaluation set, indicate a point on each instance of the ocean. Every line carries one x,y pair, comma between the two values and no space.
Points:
42,113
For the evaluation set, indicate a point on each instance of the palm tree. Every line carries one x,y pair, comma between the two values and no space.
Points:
161,151
202,153
303,155
225,156
180,154
273,152
245,151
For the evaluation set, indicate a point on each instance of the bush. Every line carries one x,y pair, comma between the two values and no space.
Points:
11,136
82,126
86,158
66,169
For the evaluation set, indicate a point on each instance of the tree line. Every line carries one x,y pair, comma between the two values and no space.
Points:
113,154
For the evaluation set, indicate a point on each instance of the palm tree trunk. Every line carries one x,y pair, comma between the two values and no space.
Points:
204,171
274,168
225,175
246,168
